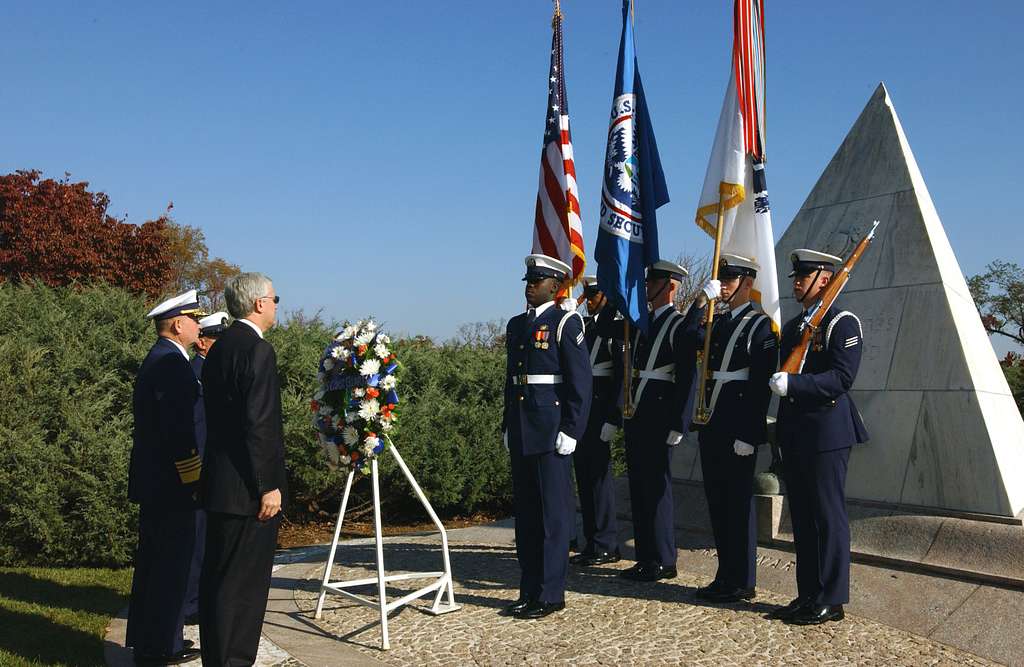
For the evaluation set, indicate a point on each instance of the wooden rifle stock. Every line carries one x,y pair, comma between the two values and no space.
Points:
795,361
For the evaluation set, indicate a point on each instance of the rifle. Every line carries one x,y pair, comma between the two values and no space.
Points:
794,363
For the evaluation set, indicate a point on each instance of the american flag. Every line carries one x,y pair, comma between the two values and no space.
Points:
748,61
558,228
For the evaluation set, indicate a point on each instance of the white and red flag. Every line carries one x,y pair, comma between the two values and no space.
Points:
735,176
558,228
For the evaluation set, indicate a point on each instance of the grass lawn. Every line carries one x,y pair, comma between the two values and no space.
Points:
53,616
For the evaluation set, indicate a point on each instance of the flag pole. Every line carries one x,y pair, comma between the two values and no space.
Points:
627,376
701,413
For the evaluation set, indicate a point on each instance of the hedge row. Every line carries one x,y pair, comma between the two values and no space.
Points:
67,363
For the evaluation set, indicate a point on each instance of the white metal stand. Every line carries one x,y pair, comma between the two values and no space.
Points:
443,580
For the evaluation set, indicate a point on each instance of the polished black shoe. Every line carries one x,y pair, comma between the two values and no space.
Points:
181,657
655,572
816,614
633,571
192,619
574,545
704,592
516,607
787,612
729,594
596,558
582,557
538,609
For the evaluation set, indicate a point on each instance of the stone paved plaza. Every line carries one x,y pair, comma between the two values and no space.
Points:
607,620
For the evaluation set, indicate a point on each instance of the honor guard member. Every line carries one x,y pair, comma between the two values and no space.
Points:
163,479
662,384
547,397
592,459
817,425
744,354
210,327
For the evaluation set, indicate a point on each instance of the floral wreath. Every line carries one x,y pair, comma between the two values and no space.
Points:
355,406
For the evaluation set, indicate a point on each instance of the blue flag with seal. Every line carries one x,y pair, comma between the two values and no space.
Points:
633,189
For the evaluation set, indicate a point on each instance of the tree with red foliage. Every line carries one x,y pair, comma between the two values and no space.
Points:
58,232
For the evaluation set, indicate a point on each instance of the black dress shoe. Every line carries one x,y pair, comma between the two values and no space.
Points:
596,558
582,557
574,545
784,613
729,594
655,572
704,592
816,614
516,607
538,609
192,619
633,571
181,657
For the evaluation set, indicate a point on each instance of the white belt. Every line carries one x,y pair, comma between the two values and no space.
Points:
536,379
665,373
603,369
731,376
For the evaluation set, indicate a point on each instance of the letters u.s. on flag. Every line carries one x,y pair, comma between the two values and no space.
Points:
735,172
558,228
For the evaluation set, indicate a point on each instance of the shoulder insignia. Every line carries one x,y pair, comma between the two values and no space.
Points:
579,338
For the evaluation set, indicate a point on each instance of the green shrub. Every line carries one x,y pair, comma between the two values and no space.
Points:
68,357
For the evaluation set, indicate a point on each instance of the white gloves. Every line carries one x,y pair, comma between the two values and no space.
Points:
742,449
779,384
608,432
568,304
504,439
674,438
565,445
712,289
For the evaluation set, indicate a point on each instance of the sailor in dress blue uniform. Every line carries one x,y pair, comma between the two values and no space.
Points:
163,479
547,398
592,459
817,426
662,393
744,354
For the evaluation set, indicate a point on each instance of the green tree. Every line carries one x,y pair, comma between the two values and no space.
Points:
191,266
999,296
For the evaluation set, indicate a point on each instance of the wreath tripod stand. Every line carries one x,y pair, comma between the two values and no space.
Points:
442,583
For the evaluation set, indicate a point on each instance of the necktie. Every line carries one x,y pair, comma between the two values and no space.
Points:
531,317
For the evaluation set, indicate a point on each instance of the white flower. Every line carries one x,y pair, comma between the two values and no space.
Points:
369,409
380,349
388,382
370,325
386,425
358,392
337,350
384,338
369,367
350,435
364,338
347,332
351,415
328,364
345,460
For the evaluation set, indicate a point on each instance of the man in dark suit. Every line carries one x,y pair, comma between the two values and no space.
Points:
743,355
817,426
210,327
592,459
163,478
244,480
547,398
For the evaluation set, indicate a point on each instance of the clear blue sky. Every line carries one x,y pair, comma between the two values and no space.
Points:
382,157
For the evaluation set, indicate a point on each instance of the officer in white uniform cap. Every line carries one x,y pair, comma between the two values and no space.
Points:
163,479
547,399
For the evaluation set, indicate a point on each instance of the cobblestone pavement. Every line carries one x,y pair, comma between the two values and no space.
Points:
607,620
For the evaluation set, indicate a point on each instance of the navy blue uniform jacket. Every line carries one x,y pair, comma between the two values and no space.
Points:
605,353
817,412
535,413
167,404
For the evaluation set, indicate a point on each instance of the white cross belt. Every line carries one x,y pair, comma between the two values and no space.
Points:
536,379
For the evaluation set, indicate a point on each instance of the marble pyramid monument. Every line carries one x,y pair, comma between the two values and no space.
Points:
945,431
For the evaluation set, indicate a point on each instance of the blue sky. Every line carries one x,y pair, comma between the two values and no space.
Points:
382,157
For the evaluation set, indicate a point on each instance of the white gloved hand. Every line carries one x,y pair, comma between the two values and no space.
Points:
742,449
504,439
608,432
779,384
674,438
712,289
565,445
568,304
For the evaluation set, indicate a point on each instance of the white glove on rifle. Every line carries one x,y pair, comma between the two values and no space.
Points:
504,439
674,438
712,289
608,432
779,384
565,445
742,449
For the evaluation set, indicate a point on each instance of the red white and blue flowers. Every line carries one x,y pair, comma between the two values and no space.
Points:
355,407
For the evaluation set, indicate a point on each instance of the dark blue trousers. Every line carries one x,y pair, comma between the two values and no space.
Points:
649,466
728,487
816,485
545,520
593,463
163,565
192,594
